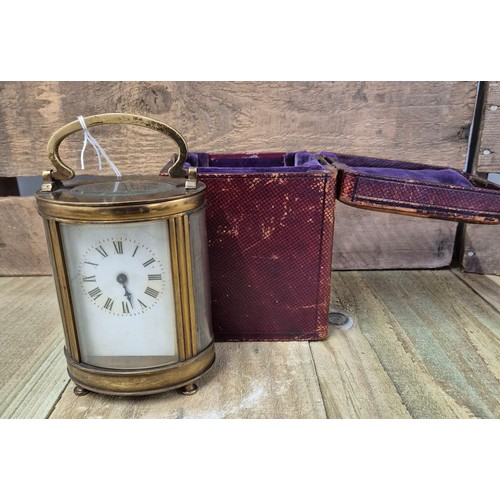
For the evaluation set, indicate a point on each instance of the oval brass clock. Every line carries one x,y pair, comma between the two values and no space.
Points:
125,252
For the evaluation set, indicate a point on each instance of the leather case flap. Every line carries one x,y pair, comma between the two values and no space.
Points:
413,189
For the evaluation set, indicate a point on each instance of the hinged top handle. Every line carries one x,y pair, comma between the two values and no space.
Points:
64,172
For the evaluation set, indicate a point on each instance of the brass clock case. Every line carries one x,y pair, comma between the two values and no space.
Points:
65,199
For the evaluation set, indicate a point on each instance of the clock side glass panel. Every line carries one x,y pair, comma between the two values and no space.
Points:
121,289
199,259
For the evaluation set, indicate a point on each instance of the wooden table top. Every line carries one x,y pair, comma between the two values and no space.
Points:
423,344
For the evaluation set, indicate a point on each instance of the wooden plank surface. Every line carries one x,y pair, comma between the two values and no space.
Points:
33,369
480,249
248,380
488,287
365,239
423,345
415,121
23,249
480,243
488,155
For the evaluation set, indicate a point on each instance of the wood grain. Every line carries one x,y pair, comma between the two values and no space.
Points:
248,380
488,287
423,345
365,239
414,121
33,373
480,243
488,155
480,249
23,249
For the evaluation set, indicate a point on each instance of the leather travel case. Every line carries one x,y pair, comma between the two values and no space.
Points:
270,223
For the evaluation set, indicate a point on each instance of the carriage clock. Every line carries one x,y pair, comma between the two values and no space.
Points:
130,262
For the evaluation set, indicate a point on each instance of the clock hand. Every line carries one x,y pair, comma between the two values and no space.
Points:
122,279
128,295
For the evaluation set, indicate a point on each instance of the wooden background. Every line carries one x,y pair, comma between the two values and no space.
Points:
480,244
414,121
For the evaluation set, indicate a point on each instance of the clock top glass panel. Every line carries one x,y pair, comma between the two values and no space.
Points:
105,190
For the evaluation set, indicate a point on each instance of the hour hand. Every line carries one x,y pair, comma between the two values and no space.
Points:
122,279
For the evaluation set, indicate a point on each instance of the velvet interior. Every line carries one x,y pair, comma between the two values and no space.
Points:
305,162
402,170
249,163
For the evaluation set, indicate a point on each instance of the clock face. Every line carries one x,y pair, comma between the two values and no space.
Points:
122,276
121,292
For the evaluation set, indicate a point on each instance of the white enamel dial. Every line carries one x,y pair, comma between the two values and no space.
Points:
122,293
122,276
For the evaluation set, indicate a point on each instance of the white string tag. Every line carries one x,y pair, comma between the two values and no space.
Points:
87,137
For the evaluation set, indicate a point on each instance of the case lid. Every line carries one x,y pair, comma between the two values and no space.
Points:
414,189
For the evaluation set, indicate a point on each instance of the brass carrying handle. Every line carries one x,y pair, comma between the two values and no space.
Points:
64,172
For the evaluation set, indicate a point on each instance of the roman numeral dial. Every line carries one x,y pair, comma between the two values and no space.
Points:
101,250
122,277
152,292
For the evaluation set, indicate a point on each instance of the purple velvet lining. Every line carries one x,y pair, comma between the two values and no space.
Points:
304,161
445,176
246,170
257,163
402,170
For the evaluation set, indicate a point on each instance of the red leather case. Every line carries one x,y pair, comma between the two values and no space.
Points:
270,221
270,236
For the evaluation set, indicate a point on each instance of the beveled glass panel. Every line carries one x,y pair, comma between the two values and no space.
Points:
122,295
201,283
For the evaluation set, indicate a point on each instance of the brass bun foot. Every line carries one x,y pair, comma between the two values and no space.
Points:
189,389
80,391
